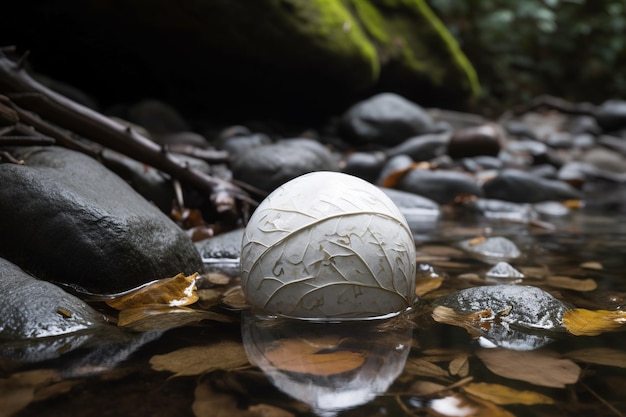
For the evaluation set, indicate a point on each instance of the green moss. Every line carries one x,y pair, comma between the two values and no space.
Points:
414,46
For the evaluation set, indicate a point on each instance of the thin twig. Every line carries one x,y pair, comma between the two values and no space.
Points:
602,400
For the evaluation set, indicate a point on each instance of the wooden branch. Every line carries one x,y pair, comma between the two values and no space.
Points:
61,111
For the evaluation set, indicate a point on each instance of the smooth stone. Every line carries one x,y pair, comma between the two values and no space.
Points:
504,270
583,125
480,163
440,186
65,217
611,115
385,119
421,148
475,141
269,166
491,249
240,143
157,117
613,142
32,308
394,165
498,209
414,207
522,187
225,246
519,129
365,165
605,159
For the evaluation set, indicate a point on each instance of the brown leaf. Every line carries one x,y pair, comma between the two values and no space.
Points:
503,395
600,356
426,285
592,265
157,317
313,356
196,360
18,391
459,366
423,388
235,298
421,367
266,410
583,322
176,292
572,283
539,367
470,322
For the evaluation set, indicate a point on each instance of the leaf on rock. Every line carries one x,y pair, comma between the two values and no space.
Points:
157,317
539,367
583,322
599,356
473,322
313,356
503,395
568,283
175,292
196,360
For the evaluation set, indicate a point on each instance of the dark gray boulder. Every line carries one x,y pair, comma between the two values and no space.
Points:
65,217
32,308
523,187
439,185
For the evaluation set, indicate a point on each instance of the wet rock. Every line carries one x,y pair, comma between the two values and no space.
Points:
583,124
522,187
182,138
551,209
605,159
504,270
498,209
413,206
225,246
519,129
157,117
613,142
421,148
268,166
560,140
480,163
32,308
440,186
578,173
240,143
365,165
475,141
393,165
66,217
385,119
611,115
491,249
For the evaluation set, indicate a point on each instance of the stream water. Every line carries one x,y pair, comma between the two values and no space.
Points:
406,366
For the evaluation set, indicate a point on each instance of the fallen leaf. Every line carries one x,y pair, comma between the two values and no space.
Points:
540,367
315,357
158,317
572,283
423,388
459,405
196,360
18,391
210,403
217,278
459,366
583,322
599,356
441,251
421,367
176,292
472,322
266,410
503,395
426,285
235,298
592,265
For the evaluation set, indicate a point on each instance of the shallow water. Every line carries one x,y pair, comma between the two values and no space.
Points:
406,366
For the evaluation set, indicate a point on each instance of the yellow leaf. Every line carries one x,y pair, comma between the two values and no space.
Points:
196,360
600,356
157,317
583,322
503,395
176,291
592,265
424,286
459,366
572,283
313,357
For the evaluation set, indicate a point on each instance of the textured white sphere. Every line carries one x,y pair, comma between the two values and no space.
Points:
328,245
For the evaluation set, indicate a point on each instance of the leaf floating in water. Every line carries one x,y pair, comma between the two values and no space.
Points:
176,292
20,389
235,298
582,285
459,366
503,395
210,403
472,322
599,356
315,357
538,367
592,265
583,322
196,360
158,317
425,285
421,367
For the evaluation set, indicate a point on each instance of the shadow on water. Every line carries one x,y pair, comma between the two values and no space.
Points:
410,365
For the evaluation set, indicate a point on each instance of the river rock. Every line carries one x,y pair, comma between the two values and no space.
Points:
611,115
386,119
266,167
492,249
438,185
65,217
365,165
421,148
32,308
523,187
475,141
225,246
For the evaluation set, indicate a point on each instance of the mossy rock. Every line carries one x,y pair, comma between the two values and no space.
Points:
280,56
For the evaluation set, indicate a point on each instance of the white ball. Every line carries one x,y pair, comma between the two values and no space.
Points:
328,245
